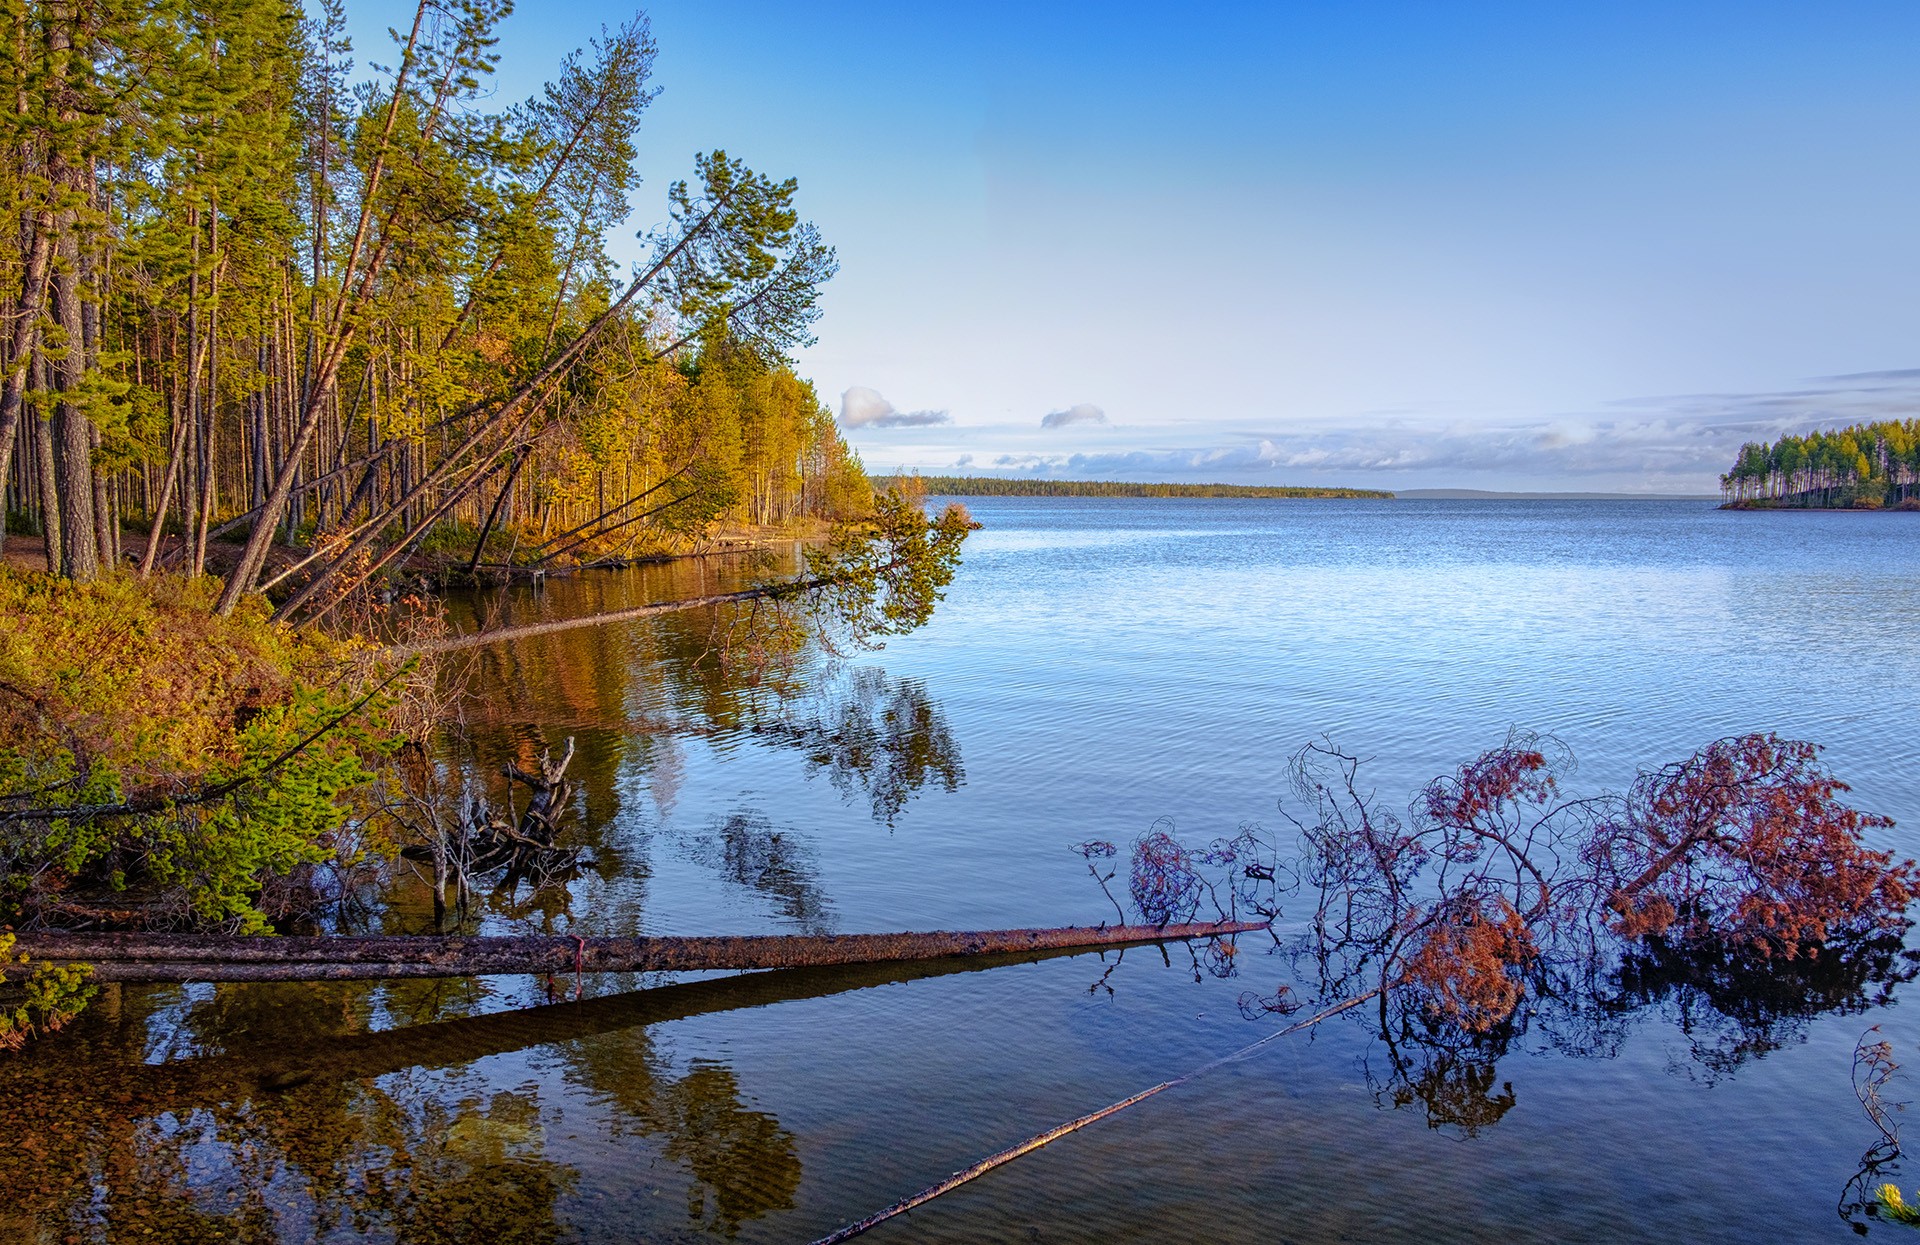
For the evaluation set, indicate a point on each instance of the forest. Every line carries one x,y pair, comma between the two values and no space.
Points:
272,335
1001,486
1862,466
269,322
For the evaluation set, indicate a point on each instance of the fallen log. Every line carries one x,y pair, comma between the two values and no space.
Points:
524,631
209,957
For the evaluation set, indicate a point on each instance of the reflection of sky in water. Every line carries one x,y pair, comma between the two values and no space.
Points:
1099,664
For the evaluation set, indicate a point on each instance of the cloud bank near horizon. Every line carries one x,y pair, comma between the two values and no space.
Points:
861,407
1673,443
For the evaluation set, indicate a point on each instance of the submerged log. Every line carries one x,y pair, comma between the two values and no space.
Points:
207,957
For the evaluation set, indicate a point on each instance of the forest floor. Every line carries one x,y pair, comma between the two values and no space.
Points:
432,570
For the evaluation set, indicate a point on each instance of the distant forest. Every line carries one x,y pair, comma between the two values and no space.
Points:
995,486
1864,466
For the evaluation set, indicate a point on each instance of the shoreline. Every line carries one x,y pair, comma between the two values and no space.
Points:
431,571
1774,505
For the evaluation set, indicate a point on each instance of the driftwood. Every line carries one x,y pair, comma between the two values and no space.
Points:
203,957
486,842
521,631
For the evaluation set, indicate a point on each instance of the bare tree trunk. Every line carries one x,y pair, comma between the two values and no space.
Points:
72,430
49,478
23,341
206,957
156,531
104,524
493,515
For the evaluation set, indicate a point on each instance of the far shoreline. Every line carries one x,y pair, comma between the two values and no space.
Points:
1013,486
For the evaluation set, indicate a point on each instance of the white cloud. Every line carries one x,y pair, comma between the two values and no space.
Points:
861,407
1079,413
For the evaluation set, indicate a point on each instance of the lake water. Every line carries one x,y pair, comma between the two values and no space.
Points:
1098,665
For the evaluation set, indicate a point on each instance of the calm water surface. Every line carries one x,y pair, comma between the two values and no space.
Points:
1099,665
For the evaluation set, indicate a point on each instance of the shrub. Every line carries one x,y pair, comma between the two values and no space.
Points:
150,746
41,999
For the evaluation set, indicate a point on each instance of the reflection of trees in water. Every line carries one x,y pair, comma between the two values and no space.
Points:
743,1163
876,738
748,851
303,1122
743,1156
882,737
470,1170
1457,1087
630,696
1730,1010
621,689
292,1133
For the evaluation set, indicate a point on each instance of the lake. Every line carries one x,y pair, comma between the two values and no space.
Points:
1099,665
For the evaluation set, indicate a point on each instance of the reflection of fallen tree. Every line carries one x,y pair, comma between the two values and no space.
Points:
208,957
282,1060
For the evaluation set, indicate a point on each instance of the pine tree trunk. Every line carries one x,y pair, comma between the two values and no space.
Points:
196,957
72,430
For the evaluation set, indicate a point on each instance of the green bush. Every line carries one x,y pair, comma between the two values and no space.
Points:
155,752
40,998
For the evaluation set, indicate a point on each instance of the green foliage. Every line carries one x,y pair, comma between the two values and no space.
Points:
149,745
1895,1207
41,997
883,576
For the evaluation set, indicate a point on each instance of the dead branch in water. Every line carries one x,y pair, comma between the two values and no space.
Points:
203,957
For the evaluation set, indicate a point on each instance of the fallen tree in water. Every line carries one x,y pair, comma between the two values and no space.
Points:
211,957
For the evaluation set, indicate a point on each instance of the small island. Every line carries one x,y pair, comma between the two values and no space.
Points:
1859,467
997,486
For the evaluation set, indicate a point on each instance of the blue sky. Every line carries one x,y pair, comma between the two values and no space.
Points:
1424,244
